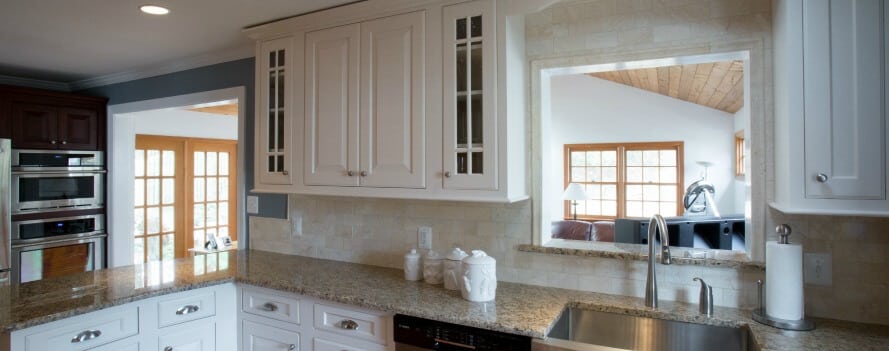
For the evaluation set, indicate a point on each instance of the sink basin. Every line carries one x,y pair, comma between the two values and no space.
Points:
585,330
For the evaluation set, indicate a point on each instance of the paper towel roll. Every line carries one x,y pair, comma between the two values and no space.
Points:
784,281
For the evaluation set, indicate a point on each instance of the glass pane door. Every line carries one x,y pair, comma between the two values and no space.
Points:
213,205
155,220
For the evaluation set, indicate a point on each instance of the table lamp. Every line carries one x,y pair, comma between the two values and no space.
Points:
574,192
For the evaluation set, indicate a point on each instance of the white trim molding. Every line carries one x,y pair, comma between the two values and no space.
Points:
35,83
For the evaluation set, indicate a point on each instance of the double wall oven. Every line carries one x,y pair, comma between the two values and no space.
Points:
56,207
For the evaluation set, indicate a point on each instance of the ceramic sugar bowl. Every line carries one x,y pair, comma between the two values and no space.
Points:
453,270
479,277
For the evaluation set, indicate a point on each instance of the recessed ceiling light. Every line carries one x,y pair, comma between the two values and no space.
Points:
154,9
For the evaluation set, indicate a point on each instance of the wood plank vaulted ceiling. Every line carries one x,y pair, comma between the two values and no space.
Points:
718,85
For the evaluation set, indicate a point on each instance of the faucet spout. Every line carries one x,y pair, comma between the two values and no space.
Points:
656,224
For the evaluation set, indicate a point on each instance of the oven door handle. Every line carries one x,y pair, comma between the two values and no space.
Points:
57,172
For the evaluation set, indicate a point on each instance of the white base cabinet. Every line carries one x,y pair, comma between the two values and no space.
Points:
273,320
183,321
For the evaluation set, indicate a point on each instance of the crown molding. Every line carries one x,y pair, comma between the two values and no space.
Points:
35,83
187,63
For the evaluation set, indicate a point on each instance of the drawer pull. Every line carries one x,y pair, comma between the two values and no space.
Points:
348,324
168,348
269,307
292,347
86,335
187,309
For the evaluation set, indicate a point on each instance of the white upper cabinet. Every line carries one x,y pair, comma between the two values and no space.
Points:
830,97
401,99
274,114
469,118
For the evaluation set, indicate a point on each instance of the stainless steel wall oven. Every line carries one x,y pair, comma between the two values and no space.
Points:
54,180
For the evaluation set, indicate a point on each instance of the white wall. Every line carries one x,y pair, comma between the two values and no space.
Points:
592,110
183,123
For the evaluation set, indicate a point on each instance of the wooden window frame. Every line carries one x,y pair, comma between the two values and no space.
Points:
740,154
622,149
183,201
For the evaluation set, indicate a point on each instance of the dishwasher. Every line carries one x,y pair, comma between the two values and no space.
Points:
416,334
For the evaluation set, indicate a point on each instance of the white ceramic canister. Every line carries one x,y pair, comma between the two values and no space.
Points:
479,277
432,268
453,269
412,266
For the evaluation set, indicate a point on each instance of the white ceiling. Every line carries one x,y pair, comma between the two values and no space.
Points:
68,41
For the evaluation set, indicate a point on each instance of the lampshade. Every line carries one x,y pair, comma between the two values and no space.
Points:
574,192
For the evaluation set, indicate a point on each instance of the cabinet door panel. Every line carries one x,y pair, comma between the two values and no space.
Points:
331,78
78,129
392,103
260,337
844,99
469,116
34,127
274,116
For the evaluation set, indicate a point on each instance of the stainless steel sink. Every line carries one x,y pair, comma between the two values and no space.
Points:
585,330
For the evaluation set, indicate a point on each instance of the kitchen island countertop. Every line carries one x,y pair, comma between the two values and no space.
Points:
520,309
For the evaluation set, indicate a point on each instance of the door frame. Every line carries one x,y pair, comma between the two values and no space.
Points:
122,136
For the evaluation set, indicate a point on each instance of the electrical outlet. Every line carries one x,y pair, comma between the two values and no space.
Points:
252,204
424,237
817,269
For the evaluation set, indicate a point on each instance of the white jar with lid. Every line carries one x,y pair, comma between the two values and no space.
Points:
412,266
479,277
453,269
432,268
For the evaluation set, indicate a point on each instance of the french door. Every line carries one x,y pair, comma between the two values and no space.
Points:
185,189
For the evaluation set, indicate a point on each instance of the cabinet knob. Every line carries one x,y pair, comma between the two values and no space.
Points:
363,173
822,178
64,142
285,172
53,142
86,335
447,174
350,173
292,347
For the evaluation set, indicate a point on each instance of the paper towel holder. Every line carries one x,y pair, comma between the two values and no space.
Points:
760,315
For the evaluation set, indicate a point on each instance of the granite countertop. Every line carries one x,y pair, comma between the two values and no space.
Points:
519,309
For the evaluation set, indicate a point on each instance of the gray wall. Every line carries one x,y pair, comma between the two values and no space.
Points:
213,77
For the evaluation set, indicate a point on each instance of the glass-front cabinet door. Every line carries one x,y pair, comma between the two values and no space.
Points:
274,112
469,111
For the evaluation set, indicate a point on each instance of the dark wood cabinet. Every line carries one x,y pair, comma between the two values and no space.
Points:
39,119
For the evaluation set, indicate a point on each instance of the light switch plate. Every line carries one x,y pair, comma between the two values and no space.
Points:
817,269
252,204
424,237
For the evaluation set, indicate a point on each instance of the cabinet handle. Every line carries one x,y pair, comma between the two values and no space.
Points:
187,309
269,307
64,142
53,142
292,347
348,324
350,173
363,173
822,178
168,348
447,174
285,172
86,335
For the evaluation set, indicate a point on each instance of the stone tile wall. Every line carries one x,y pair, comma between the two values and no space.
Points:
377,232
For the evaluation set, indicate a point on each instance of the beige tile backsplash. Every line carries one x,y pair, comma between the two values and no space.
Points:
378,231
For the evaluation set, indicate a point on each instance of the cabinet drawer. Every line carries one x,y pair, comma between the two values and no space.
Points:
261,337
280,307
86,331
327,344
197,336
364,325
186,308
